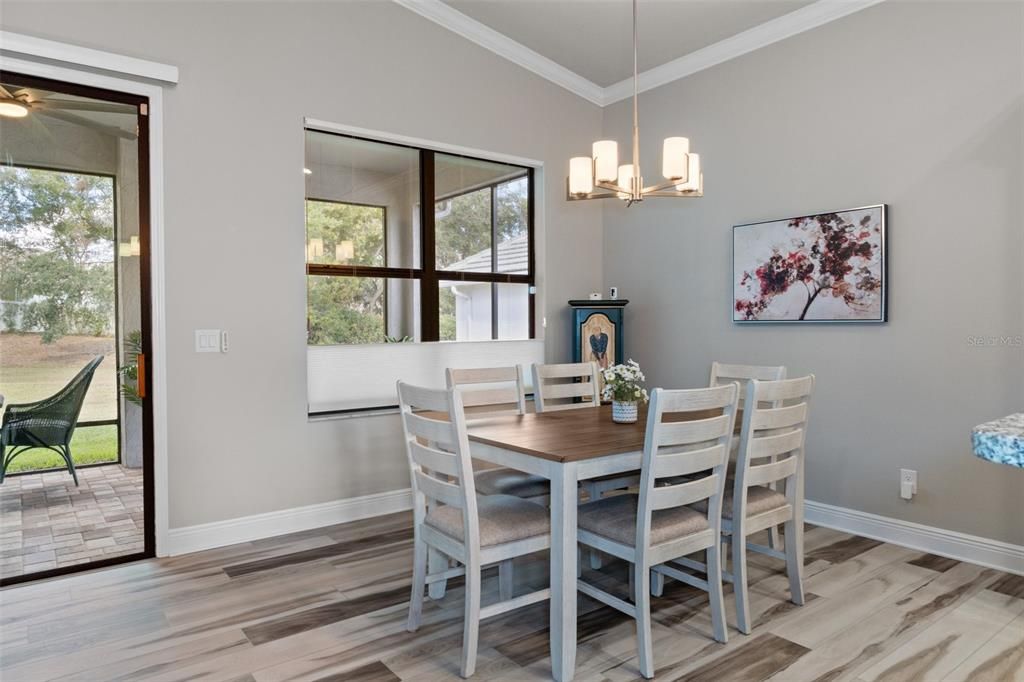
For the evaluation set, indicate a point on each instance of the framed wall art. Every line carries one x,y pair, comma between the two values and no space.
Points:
823,267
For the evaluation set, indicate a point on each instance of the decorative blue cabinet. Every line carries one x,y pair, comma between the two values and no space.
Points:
597,328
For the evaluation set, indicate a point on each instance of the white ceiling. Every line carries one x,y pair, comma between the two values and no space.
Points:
585,46
594,38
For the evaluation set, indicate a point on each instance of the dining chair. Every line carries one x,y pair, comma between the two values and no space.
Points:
574,386
567,386
771,451
657,525
496,391
474,531
723,373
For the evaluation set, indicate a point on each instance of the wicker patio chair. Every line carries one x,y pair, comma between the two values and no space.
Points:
48,423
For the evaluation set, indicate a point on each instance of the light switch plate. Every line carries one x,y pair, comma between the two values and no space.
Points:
207,340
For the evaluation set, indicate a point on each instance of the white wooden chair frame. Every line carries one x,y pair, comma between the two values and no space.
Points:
671,450
724,373
774,435
438,452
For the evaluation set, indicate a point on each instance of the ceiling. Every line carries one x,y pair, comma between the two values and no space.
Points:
593,38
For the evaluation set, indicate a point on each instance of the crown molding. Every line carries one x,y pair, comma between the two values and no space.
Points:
780,28
31,46
503,46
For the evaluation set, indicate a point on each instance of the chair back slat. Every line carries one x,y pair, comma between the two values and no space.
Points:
773,446
552,383
498,388
763,474
675,448
779,417
435,460
672,464
488,397
432,430
435,489
674,433
682,494
786,390
556,391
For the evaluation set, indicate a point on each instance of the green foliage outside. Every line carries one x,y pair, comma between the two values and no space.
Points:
56,252
89,445
344,310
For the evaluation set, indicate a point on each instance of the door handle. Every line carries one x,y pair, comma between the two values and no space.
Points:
140,380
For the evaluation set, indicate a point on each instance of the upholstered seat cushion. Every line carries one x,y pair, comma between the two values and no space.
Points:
502,481
760,499
503,518
615,518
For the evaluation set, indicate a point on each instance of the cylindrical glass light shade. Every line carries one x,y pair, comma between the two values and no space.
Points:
606,160
581,175
673,158
625,179
693,182
344,251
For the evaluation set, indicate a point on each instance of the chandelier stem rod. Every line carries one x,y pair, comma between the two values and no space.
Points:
636,116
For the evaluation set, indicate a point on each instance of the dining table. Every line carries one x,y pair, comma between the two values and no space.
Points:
565,447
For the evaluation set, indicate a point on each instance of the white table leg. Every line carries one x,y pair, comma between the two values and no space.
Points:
563,571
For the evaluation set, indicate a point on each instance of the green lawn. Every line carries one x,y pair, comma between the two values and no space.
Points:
31,370
89,445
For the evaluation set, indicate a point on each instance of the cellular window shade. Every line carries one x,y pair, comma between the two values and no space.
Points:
359,377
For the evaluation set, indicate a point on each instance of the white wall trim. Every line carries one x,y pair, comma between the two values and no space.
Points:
158,363
970,548
384,136
780,28
257,526
503,46
41,48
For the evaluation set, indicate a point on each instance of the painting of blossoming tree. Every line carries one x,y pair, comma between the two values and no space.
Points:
828,267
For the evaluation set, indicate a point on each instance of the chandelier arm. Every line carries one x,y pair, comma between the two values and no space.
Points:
663,185
593,195
612,187
676,193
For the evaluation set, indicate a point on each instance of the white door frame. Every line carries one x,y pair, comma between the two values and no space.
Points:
77,64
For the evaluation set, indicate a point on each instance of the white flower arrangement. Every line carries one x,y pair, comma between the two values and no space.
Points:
624,383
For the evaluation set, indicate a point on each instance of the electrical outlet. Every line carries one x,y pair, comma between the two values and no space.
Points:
908,483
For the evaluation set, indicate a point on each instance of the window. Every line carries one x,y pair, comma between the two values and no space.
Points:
381,267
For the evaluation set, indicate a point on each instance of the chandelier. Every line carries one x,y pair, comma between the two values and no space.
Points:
601,177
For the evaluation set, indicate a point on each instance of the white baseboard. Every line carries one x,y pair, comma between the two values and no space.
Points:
971,548
257,526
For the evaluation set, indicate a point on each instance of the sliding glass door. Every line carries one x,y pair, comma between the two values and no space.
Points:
76,490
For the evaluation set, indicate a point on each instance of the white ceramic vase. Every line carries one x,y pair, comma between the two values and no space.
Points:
624,413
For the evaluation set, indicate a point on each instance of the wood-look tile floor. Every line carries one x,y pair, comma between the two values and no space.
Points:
331,604
48,522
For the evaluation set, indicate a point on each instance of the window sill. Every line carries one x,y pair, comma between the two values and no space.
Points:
352,414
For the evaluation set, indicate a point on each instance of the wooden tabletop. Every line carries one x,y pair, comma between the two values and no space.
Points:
568,435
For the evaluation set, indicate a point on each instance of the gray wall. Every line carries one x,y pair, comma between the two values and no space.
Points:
240,442
918,105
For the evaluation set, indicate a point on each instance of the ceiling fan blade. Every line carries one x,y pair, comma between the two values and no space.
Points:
82,121
76,105
40,127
